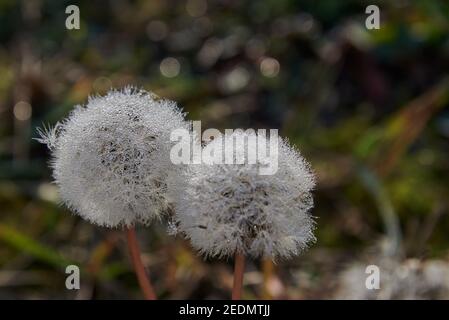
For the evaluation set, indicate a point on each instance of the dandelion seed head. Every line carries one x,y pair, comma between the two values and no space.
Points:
410,279
110,158
228,208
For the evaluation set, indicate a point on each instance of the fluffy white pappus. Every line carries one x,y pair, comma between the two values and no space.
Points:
227,208
411,279
110,158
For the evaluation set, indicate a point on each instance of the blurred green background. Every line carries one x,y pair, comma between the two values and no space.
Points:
368,109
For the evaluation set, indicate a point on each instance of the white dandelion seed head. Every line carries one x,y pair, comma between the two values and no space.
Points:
110,158
227,208
403,280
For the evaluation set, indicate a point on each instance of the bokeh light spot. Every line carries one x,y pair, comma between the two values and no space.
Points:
170,67
22,111
269,67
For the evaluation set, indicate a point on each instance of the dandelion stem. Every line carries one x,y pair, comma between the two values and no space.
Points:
239,269
267,271
144,281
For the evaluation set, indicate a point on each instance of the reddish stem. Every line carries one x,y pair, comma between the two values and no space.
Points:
144,281
239,269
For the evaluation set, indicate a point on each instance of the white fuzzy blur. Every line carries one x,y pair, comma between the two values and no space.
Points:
227,208
110,158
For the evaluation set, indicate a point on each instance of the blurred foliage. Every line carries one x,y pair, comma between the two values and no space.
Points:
368,108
